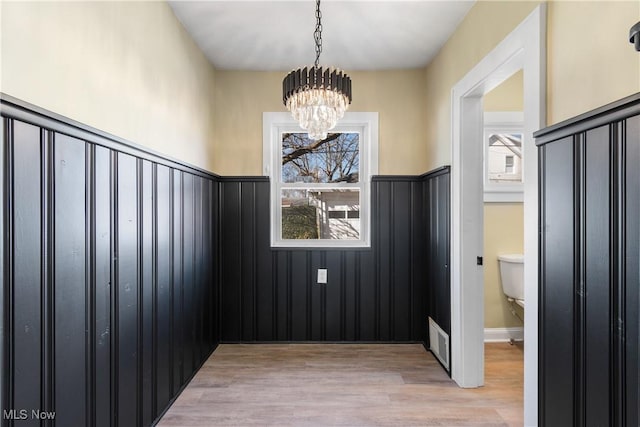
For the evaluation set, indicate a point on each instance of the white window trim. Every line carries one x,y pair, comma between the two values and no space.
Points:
273,125
502,122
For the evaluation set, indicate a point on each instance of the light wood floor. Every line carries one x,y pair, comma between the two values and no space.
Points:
346,385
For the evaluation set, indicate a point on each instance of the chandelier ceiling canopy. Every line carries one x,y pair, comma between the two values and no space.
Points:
317,96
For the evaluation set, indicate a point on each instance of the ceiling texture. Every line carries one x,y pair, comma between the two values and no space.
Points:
357,35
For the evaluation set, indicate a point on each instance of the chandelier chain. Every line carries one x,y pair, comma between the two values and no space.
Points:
317,97
317,34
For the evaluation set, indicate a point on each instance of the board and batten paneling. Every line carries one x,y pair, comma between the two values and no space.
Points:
589,268
438,219
373,294
123,269
109,280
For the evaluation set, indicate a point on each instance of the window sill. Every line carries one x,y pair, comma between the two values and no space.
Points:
503,196
322,248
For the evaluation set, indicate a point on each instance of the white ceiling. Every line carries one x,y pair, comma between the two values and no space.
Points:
357,35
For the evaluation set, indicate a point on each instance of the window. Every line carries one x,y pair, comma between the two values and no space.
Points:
320,189
508,165
503,162
504,158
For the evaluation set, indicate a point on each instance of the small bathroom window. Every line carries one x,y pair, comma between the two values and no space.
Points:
503,157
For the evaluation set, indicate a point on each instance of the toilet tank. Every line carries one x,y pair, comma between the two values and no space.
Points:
512,275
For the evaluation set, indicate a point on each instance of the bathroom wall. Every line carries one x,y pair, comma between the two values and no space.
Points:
508,96
504,234
503,222
127,68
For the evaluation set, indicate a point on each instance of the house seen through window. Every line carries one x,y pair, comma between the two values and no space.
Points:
503,162
319,210
320,189
505,158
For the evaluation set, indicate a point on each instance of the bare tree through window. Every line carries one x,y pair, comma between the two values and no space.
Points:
333,159
327,167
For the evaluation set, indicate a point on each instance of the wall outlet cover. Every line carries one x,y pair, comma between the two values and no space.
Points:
322,275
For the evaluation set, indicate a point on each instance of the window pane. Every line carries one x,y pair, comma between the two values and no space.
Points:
337,214
504,161
331,160
320,214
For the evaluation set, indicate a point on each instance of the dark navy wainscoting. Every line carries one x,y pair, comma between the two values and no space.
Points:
589,268
109,276
373,294
122,270
437,213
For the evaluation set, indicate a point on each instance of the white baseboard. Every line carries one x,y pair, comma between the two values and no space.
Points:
503,334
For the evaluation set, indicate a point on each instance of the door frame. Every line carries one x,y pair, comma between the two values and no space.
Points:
524,48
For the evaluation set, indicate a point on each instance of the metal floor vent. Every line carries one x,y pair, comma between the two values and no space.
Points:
439,343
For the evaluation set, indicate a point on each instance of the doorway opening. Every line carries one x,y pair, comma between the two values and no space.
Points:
523,49
503,248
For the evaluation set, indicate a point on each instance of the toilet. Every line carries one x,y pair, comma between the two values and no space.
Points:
512,277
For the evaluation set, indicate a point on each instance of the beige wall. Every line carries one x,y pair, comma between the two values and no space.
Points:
130,69
486,24
242,96
127,68
589,59
508,96
503,222
503,234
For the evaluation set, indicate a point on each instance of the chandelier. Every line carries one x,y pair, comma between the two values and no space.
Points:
317,97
